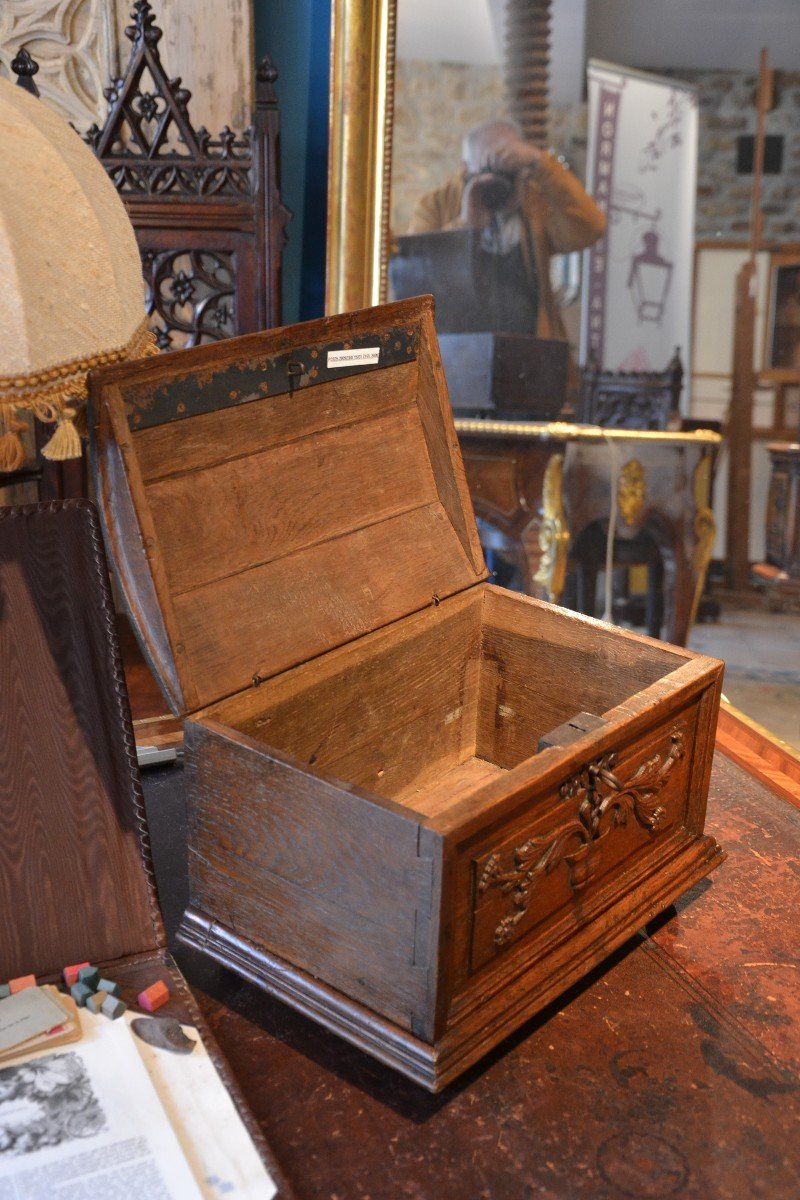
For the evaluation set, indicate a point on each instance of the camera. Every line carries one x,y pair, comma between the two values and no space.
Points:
494,189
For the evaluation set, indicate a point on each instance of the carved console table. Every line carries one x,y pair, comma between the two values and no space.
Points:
543,485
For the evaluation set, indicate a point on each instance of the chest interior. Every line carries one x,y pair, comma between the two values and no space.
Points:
428,711
310,572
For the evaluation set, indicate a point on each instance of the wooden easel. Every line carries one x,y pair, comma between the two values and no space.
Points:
740,420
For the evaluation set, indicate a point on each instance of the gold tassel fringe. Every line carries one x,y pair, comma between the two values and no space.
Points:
65,442
58,396
12,451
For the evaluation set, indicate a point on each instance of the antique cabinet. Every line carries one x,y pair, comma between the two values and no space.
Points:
420,806
783,509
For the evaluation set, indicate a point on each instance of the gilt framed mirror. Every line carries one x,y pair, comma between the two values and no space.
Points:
408,81
360,149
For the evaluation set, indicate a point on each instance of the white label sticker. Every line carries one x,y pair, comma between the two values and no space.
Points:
365,357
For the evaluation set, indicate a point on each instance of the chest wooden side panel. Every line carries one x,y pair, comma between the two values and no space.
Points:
315,874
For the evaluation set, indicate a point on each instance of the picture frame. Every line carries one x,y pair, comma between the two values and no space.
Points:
359,162
782,331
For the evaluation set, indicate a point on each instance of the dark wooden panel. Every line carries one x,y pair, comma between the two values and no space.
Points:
67,762
208,213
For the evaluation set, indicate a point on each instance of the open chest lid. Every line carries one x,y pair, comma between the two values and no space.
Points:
270,497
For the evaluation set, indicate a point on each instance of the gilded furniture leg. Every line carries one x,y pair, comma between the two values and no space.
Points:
552,534
705,531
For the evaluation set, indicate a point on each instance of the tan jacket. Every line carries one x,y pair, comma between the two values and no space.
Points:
558,214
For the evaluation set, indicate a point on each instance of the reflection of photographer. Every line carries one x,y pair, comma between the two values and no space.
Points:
524,206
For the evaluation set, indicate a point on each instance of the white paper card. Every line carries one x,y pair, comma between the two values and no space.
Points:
367,356
86,1120
219,1148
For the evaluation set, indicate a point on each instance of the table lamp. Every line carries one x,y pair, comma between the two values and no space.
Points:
71,287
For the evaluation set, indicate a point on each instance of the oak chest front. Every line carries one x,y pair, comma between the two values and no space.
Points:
420,806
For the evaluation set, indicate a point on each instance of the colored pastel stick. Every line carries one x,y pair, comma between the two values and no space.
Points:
71,973
109,987
19,985
113,1007
80,993
95,1002
154,996
90,976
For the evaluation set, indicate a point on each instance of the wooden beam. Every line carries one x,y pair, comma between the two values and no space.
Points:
740,420
740,429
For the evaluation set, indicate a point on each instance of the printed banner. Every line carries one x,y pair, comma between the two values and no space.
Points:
641,170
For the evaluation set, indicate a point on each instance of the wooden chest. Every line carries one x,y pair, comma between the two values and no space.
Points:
375,834
505,375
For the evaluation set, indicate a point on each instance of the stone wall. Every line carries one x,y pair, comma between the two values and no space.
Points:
435,105
727,110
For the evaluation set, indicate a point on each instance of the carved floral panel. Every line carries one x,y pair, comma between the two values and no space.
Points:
190,296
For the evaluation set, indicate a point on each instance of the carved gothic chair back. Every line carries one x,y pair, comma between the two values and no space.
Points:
632,399
207,211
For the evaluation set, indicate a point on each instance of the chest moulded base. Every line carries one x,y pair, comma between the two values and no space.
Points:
375,834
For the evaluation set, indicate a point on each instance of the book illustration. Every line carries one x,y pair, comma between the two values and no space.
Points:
47,1102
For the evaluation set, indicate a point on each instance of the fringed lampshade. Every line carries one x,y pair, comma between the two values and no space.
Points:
71,288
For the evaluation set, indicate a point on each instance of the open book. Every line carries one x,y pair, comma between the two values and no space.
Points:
113,1115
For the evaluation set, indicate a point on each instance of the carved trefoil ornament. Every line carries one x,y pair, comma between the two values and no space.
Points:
631,491
74,43
190,296
553,531
605,804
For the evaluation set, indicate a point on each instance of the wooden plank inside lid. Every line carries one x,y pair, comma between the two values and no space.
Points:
274,496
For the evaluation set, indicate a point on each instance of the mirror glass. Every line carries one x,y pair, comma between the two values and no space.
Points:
452,76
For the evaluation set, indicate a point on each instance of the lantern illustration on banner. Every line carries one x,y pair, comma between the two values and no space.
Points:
649,279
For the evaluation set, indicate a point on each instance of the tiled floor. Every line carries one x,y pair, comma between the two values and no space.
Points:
761,650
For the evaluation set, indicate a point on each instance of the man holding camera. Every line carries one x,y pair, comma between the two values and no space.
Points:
523,206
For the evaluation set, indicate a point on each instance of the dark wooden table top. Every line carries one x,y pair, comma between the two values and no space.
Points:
672,1072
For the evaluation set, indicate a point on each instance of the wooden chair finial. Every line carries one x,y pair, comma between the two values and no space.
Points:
25,67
